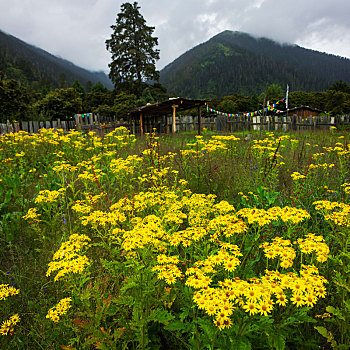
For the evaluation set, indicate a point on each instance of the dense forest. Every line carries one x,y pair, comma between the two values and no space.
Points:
235,62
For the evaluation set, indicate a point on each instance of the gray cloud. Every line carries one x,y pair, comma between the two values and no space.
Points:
77,29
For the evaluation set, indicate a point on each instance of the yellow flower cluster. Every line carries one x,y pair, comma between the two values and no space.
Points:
339,148
324,166
47,196
226,138
7,326
147,231
64,166
81,207
167,268
280,248
216,143
338,213
256,216
68,259
60,309
228,225
297,176
260,296
315,244
271,146
127,165
101,218
7,291
187,237
346,187
32,215
89,175
263,217
227,257
290,214
223,207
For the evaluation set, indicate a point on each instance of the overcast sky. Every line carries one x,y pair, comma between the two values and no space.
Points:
77,29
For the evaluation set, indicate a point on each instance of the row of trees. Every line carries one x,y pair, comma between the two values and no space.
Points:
334,101
20,103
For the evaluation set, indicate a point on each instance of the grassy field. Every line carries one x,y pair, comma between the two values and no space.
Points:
174,242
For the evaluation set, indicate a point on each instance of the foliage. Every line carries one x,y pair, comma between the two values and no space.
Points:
59,103
78,87
340,85
132,48
15,100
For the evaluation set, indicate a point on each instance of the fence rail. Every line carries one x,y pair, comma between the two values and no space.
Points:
102,125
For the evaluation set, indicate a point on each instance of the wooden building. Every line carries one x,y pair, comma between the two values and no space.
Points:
153,114
302,111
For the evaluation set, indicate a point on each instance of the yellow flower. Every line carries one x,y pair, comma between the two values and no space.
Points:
251,307
7,326
298,300
68,259
32,215
7,290
60,309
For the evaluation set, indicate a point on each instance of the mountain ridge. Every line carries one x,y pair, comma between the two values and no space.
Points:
34,66
235,62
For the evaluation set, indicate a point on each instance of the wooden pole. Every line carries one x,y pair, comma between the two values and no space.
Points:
141,123
199,120
263,115
166,124
174,119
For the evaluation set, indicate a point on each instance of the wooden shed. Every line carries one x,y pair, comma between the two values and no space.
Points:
152,114
302,111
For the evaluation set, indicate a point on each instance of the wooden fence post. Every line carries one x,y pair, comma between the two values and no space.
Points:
9,127
141,123
174,118
199,120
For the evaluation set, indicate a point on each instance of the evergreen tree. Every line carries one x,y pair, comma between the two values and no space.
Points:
99,87
132,48
340,85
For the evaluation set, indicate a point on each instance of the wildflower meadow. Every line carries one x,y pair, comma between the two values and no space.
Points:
175,241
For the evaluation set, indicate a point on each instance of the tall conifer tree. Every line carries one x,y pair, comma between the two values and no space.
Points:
132,48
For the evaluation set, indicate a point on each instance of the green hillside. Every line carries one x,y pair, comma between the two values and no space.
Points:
235,62
36,68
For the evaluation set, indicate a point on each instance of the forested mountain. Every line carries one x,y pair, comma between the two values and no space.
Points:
38,69
235,62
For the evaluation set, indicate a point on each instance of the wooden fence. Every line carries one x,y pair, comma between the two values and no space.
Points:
102,125
94,122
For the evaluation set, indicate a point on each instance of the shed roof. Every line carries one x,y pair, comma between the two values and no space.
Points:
301,108
166,107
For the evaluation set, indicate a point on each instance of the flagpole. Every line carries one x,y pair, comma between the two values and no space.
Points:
287,99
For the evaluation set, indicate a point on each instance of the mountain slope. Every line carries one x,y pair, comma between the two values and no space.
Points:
36,68
235,62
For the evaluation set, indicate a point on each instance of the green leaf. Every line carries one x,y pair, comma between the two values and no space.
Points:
323,331
336,312
278,341
240,343
175,326
161,316
185,312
